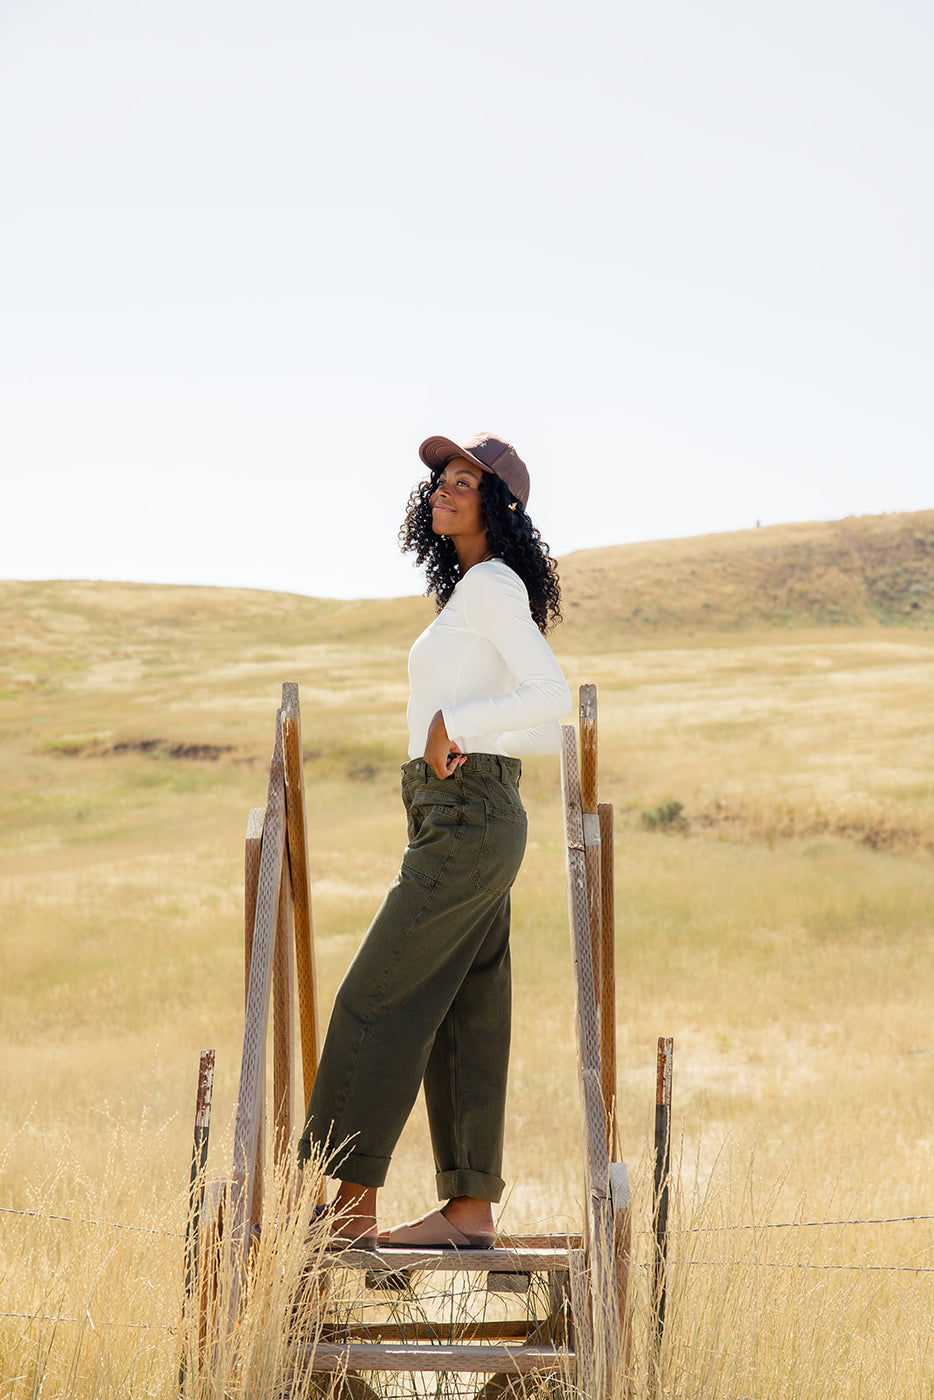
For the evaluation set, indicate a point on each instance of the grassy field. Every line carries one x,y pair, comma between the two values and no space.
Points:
781,931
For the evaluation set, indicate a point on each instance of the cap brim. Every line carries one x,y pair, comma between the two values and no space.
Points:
436,452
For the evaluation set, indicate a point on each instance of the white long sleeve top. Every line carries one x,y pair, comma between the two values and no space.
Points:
484,664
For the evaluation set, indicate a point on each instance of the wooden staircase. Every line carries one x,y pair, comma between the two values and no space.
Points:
500,1349
575,1288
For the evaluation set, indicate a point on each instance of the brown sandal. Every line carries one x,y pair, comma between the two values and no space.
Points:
432,1231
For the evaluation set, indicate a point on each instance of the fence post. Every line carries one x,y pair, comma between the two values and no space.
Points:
660,1207
199,1161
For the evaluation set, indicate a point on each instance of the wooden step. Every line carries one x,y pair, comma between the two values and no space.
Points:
434,1333
374,1356
546,1260
539,1242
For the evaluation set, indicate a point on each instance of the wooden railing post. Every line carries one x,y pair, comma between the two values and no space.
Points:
591,821
301,890
608,972
604,1297
251,857
251,1092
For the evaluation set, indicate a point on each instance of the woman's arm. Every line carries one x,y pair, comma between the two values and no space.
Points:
441,753
496,607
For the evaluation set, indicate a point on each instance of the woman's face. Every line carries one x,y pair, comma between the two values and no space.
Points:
455,502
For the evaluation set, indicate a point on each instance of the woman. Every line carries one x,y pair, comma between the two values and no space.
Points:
427,996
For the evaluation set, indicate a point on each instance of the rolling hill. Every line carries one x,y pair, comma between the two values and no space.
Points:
864,571
861,571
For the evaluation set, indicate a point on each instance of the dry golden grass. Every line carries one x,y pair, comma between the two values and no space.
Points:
784,941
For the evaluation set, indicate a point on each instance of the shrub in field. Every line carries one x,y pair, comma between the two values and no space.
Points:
667,816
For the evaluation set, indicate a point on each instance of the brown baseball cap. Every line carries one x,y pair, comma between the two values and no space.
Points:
486,451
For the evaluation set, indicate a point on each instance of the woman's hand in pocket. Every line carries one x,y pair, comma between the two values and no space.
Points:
441,753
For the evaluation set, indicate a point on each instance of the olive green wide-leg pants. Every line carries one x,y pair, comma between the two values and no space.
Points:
427,996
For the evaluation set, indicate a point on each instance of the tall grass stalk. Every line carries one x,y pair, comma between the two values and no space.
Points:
763,1305
93,1304
93,1287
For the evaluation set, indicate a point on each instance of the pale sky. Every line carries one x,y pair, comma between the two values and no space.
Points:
251,254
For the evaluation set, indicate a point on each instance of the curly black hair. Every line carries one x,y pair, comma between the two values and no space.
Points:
512,536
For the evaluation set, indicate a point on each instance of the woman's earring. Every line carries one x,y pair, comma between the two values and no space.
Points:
513,504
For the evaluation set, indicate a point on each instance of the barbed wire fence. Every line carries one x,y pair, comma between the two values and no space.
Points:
674,1233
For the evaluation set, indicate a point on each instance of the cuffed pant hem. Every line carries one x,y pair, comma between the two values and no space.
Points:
464,1182
355,1167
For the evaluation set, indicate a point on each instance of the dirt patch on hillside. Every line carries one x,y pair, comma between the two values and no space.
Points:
162,748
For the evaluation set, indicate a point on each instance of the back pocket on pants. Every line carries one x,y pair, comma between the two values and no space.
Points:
501,849
435,820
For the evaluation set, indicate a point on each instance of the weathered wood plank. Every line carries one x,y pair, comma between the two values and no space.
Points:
251,854
603,1297
621,1198
588,1036
451,1261
591,823
608,971
375,1356
556,1326
538,1241
297,826
419,1330
283,1028
583,1324
251,859
251,1092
